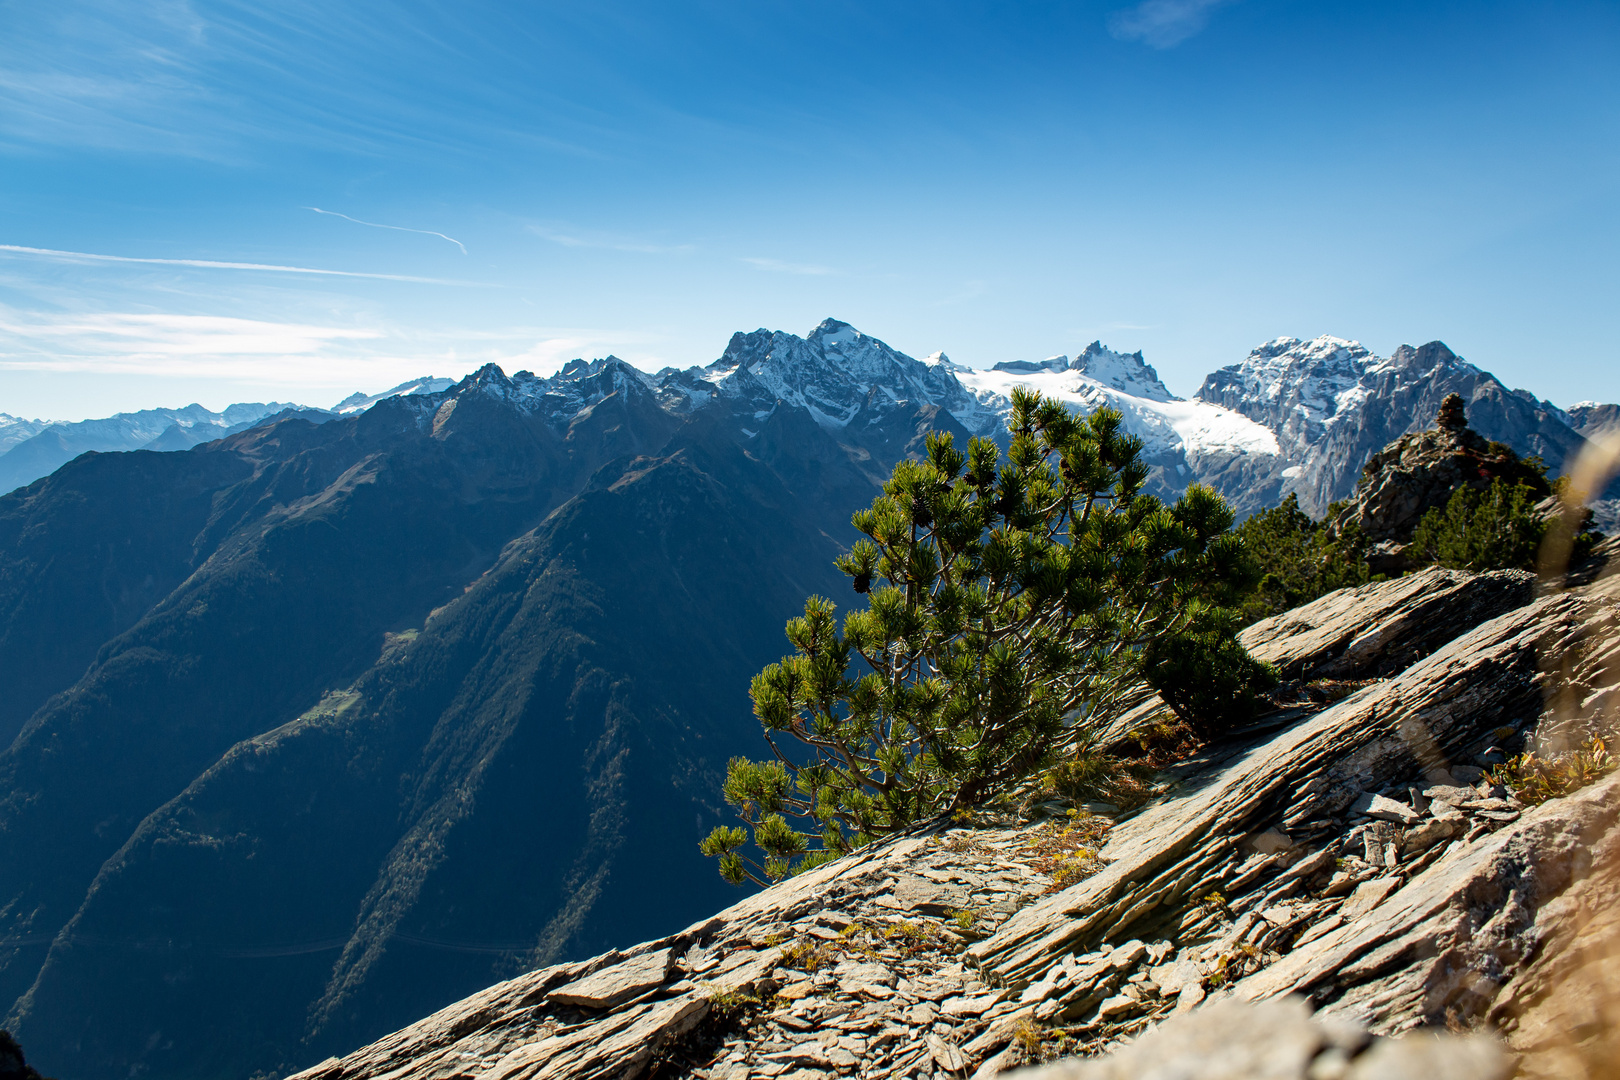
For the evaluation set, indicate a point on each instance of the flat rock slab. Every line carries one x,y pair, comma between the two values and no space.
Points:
1377,806
918,894
874,980
1279,1040
1383,627
1372,630
620,982
1368,895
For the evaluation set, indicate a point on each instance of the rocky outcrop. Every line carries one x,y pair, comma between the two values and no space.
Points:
1351,854
1281,1040
1421,471
1305,781
1357,634
1380,629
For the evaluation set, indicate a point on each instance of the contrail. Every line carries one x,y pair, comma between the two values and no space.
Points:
396,228
210,264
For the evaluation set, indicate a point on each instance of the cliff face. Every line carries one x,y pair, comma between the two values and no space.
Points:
1350,852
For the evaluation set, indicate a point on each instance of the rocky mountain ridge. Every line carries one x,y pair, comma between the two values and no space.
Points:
1332,404
1352,854
30,449
1293,417
347,719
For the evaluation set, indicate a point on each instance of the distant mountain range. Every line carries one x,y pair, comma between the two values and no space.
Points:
1293,417
30,449
316,727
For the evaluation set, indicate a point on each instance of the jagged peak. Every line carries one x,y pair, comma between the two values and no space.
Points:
583,369
1424,358
830,331
1322,347
487,376
1126,372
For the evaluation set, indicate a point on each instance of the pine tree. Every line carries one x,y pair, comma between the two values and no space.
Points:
1009,607
1497,528
1299,559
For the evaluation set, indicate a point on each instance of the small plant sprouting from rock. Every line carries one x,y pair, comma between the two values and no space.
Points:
1068,854
1027,1036
1092,776
1010,603
808,956
1534,779
729,1004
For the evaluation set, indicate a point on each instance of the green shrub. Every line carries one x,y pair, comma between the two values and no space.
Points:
1010,605
1297,559
1205,675
1494,529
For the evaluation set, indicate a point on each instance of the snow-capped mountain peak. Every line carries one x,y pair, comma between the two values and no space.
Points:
1332,403
359,402
1181,439
1126,372
835,373
1295,415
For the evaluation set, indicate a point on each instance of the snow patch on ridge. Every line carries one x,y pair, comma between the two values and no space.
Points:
1166,424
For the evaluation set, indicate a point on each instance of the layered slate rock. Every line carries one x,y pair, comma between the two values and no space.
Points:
1297,781
1365,632
1439,946
1380,629
1281,1040
1357,855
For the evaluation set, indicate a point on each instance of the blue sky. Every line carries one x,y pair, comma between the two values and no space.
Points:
1000,181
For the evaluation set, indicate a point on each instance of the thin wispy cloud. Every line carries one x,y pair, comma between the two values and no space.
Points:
777,266
306,355
395,228
132,343
1162,24
575,238
212,264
